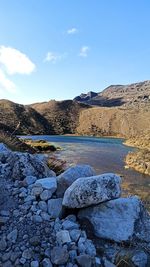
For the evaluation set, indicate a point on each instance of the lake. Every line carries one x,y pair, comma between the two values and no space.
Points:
104,155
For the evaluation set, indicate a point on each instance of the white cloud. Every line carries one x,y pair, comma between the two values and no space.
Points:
15,61
84,51
54,57
72,31
6,84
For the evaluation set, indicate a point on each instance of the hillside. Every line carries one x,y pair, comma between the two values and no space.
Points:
118,95
62,115
117,121
128,116
31,122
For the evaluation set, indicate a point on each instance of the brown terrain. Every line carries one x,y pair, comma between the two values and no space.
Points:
119,110
63,116
118,121
29,120
139,159
118,95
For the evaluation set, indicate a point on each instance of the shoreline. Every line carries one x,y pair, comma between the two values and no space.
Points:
139,159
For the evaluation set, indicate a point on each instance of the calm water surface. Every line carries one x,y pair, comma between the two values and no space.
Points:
104,155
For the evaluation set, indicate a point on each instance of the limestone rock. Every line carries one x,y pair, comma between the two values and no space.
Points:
63,237
70,225
92,190
48,183
34,264
27,254
59,255
75,234
36,190
45,195
43,205
55,207
119,220
46,263
25,164
84,260
72,174
140,259
3,244
12,236
30,180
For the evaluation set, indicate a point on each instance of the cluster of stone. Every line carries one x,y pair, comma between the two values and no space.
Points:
75,219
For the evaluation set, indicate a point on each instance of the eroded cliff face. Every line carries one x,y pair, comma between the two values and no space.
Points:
119,121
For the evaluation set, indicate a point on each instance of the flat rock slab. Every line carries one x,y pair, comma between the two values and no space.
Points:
119,220
72,174
92,190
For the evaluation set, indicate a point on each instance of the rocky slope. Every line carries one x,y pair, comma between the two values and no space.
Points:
53,117
126,118
118,95
118,121
37,227
86,97
29,120
140,158
62,115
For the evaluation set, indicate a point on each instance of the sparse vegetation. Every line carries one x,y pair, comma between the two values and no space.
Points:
14,143
57,165
139,159
40,145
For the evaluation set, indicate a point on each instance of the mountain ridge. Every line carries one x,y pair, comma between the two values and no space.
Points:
119,110
118,95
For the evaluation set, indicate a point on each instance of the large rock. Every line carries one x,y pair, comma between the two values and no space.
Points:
48,183
92,190
25,164
55,207
122,219
59,255
72,174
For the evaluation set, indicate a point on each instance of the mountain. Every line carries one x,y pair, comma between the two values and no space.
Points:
122,121
86,97
28,119
63,116
53,117
118,95
119,110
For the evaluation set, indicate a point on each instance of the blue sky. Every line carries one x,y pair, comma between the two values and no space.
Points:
56,49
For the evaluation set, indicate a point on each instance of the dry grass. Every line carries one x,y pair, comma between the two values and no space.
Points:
57,165
12,142
40,145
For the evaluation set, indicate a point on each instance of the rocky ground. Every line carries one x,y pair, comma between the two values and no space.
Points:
74,219
140,158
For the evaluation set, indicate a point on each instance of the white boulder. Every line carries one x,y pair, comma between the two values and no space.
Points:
72,174
92,190
122,219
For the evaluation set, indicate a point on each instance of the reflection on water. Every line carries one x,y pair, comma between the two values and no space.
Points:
104,155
